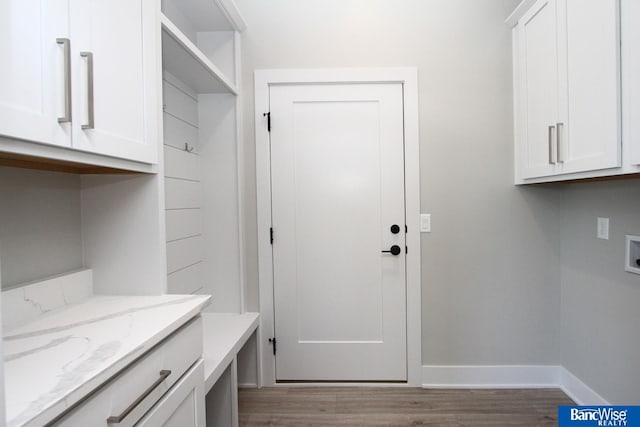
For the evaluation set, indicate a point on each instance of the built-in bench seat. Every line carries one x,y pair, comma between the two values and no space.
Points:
224,335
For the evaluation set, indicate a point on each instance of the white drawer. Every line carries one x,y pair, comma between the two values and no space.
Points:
141,384
183,405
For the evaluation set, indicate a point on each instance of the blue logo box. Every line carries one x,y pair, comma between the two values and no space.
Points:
596,416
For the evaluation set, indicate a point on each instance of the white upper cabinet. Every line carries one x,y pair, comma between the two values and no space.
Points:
32,75
81,74
589,75
567,87
631,79
113,64
538,110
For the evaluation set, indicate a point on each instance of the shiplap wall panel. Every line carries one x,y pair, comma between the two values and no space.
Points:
184,253
179,104
183,223
182,194
171,79
189,280
185,250
177,133
178,163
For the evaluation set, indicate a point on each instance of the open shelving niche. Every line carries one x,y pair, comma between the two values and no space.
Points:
201,71
184,60
203,172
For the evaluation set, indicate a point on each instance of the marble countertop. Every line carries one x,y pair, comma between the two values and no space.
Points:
53,361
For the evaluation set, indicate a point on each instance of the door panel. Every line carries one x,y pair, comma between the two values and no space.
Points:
538,38
631,78
32,72
337,187
121,93
589,90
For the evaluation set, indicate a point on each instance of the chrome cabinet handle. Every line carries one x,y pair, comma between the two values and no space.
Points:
89,57
558,149
550,136
66,44
115,419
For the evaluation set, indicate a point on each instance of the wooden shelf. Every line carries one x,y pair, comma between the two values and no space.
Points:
182,58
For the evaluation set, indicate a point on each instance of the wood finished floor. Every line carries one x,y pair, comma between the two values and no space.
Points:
399,407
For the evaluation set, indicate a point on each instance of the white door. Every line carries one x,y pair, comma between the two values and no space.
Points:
589,77
537,35
337,164
35,36
113,42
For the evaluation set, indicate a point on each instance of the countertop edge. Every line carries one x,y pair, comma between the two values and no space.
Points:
79,394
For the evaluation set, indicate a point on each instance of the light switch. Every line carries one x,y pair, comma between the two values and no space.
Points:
425,223
603,228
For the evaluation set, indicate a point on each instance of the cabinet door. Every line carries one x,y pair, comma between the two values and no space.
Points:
589,101
183,405
119,118
631,78
32,75
537,58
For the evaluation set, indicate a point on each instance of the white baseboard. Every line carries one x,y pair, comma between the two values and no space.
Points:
505,376
247,385
581,393
511,376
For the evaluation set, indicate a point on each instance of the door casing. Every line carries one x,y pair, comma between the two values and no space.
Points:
408,77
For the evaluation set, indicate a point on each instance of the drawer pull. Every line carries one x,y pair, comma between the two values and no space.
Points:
119,418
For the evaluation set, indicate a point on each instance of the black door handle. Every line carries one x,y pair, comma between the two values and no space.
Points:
393,250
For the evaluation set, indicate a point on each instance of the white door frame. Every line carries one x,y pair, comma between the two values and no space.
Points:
408,77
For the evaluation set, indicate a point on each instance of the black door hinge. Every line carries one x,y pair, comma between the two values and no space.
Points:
273,342
271,234
268,116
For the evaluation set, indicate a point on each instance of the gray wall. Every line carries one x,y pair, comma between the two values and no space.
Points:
490,268
40,225
600,301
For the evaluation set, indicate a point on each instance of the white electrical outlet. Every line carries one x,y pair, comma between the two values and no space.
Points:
603,228
425,223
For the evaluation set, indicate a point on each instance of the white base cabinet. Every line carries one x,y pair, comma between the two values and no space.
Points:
164,387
